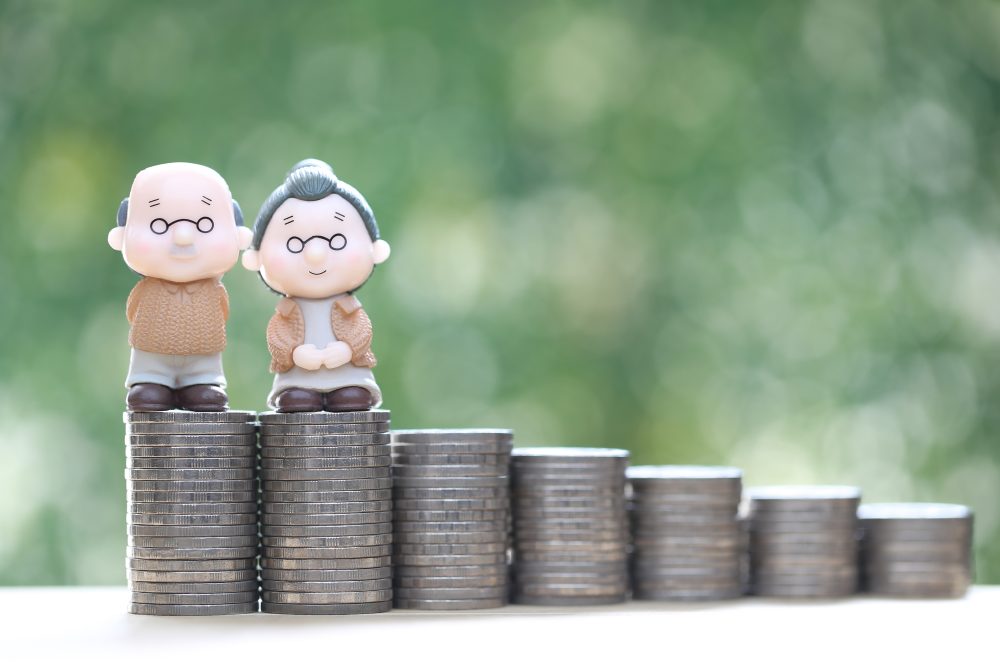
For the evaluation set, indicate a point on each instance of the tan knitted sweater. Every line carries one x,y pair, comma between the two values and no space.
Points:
287,328
178,319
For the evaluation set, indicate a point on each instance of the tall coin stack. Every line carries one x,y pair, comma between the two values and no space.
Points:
191,485
570,526
452,509
804,541
921,550
687,539
326,513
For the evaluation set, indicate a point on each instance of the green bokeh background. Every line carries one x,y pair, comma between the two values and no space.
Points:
754,233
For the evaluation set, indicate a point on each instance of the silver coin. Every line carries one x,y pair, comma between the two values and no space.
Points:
421,527
192,610
560,546
807,574
449,605
494,581
195,598
448,559
189,474
469,548
437,435
191,463
620,536
270,530
803,590
571,567
190,428
451,459
182,416
669,543
344,609
568,454
697,477
247,439
913,511
602,523
582,503
191,543
191,576
349,518
191,565
324,463
687,593
540,514
568,590
206,486
161,553
379,539
181,587
891,532
416,487
303,576
450,504
448,471
920,570
493,571
438,515
317,475
796,493
369,416
702,572
453,593
326,485
325,563
288,429
191,508
325,496
214,530
612,583
328,598
567,491
309,509
498,494
917,552
191,497
445,448
460,537
326,587
363,451
355,440
308,553
568,555
191,519
564,601
215,451
660,527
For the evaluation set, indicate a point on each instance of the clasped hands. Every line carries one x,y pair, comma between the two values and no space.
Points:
333,355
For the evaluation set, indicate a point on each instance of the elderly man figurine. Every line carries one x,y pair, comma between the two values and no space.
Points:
315,242
181,230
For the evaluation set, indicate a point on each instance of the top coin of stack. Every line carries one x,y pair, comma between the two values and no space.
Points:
919,550
326,512
570,526
803,540
451,498
192,512
686,535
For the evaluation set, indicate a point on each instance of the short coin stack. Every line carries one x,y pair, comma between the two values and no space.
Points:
570,526
326,512
687,539
921,550
452,509
191,484
803,541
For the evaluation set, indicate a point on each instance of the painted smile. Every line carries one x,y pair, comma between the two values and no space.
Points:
317,273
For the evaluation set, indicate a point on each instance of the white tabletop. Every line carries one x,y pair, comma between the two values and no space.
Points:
82,625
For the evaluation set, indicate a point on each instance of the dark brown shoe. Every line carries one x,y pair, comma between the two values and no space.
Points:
150,398
202,398
299,400
348,399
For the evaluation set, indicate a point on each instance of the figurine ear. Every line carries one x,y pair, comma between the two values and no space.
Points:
251,260
116,238
380,251
245,237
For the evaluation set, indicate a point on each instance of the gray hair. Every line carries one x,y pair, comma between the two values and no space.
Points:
312,179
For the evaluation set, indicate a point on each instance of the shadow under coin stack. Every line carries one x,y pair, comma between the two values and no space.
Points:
916,550
804,541
451,518
687,539
570,526
326,513
191,484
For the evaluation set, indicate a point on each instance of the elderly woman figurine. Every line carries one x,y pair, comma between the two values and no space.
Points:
315,242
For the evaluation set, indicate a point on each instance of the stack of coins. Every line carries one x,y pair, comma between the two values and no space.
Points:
191,483
804,541
570,526
687,539
326,513
921,550
452,509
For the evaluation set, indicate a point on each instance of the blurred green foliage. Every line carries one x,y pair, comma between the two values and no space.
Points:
755,233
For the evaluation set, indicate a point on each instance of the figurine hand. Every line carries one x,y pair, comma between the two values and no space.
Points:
308,357
336,354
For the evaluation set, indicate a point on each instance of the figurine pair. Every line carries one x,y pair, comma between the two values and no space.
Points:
315,242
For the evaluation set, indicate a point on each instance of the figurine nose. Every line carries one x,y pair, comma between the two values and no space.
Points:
315,253
183,234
